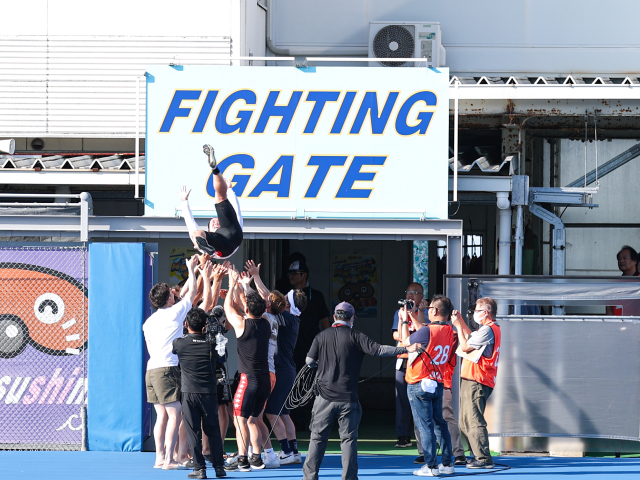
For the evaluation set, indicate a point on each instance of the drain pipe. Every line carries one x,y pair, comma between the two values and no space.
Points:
504,241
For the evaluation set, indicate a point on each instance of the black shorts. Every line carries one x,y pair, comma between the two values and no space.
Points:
284,381
229,236
251,395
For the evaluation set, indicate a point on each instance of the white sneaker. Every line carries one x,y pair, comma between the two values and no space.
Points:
298,457
287,459
448,470
271,461
426,471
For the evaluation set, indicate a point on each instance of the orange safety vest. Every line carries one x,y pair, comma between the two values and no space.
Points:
450,366
486,370
432,362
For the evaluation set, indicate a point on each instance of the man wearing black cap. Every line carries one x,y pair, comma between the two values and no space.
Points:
314,318
338,353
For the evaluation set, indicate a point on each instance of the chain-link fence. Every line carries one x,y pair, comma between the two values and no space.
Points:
43,341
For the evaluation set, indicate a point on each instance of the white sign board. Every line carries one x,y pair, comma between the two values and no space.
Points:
325,142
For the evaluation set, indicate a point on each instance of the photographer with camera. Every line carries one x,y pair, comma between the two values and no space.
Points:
197,355
416,305
215,330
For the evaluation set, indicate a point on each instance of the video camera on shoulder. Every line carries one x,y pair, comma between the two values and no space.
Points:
215,325
409,303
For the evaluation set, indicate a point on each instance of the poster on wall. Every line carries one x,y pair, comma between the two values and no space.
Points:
178,263
43,346
313,142
355,280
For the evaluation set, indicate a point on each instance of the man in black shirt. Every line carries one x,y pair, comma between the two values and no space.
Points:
314,318
199,395
338,352
253,333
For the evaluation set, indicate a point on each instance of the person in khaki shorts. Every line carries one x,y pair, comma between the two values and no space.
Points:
163,374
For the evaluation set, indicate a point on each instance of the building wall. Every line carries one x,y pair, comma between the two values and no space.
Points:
65,74
594,236
501,36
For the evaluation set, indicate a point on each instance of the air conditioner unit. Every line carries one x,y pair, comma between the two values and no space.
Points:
406,40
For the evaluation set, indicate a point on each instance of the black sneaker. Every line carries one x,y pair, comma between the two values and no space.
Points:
200,473
256,461
243,465
419,460
204,246
461,460
479,464
220,472
211,156
403,442
188,464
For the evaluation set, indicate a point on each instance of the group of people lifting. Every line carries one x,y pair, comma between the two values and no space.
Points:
182,367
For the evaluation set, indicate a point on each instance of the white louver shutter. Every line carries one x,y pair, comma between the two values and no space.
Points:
85,86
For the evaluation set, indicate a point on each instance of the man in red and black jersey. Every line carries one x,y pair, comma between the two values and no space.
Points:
253,333
478,377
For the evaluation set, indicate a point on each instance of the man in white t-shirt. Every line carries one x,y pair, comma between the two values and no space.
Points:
163,375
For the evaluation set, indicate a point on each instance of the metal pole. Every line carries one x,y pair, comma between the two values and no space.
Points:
455,144
519,244
595,136
137,190
85,198
504,242
586,132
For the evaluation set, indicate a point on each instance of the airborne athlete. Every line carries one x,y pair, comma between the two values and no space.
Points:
225,232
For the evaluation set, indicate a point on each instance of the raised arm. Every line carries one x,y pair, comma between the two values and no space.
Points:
235,318
463,331
191,281
192,226
207,299
254,270
219,272
403,326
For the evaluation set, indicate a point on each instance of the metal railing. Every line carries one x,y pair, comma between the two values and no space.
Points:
85,204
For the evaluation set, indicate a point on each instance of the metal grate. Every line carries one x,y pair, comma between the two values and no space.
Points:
43,340
393,41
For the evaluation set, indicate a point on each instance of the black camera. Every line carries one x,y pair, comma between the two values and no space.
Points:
215,325
409,303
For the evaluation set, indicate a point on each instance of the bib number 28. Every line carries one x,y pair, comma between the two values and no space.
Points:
442,354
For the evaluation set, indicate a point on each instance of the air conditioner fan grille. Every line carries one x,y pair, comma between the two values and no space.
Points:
393,41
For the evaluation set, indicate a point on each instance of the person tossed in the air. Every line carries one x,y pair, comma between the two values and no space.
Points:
225,232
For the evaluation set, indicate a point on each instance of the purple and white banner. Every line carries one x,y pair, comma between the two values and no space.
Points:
43,340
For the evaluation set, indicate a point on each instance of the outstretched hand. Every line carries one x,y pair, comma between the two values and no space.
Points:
183,193
245,278
252,269
233,274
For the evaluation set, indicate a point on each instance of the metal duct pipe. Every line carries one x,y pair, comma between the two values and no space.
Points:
504,241
519,240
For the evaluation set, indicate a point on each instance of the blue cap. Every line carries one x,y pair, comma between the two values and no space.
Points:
344,309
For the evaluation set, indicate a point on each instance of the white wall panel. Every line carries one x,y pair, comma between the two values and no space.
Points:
490,36
86,85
